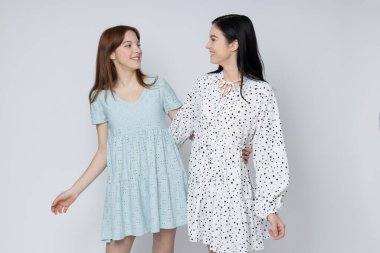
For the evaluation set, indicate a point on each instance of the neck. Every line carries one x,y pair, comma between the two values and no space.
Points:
126,78
231,73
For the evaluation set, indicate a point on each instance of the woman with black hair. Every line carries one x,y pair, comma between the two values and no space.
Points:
227,110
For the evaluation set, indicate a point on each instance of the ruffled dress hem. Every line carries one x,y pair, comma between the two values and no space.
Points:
155,230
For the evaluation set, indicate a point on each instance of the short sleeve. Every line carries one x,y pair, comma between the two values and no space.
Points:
98,114
169,98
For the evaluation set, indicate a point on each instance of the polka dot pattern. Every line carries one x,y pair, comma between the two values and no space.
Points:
225,209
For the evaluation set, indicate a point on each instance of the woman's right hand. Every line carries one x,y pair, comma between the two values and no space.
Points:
63,201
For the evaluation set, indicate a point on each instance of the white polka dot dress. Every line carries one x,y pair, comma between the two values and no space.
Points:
224,208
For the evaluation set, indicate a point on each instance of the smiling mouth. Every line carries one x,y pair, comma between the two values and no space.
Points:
136,58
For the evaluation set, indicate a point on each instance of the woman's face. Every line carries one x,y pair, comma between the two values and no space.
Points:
128,54
221,52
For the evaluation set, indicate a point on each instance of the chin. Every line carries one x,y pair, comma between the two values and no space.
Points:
135,67
213,60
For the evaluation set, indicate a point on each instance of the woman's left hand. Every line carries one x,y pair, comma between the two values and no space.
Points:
277,230
246,153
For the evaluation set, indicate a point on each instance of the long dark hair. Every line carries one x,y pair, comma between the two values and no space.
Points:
106,75
240,28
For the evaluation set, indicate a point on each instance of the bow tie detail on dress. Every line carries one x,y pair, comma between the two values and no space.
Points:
225,87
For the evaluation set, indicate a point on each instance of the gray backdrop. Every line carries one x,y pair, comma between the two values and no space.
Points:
322,58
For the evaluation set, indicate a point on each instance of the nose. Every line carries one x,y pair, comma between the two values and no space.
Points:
138,49
207,46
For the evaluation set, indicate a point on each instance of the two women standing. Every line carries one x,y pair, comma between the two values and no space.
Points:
225,111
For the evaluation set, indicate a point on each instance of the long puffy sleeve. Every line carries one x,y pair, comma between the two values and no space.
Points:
269,159
183,123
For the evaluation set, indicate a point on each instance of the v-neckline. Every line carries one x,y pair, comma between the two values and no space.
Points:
133,102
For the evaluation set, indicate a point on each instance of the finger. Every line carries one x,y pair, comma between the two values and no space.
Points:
54,202
281,230
57,199
63,209
60,208
275,230
54,208
271,233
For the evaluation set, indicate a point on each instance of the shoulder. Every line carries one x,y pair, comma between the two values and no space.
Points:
206,80
258,88
162,87
157,82
150,80
100,98
161,82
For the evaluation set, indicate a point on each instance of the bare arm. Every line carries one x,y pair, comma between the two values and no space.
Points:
98,163
96,167
172,113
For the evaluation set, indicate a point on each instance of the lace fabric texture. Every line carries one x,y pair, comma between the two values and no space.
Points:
146,184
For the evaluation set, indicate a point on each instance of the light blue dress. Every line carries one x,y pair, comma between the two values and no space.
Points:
147,183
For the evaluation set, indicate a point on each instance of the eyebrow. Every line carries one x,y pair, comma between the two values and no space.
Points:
213,36
128,41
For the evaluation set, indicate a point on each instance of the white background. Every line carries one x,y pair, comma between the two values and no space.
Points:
322,58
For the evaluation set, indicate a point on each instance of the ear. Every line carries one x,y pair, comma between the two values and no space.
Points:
234,45
113,56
